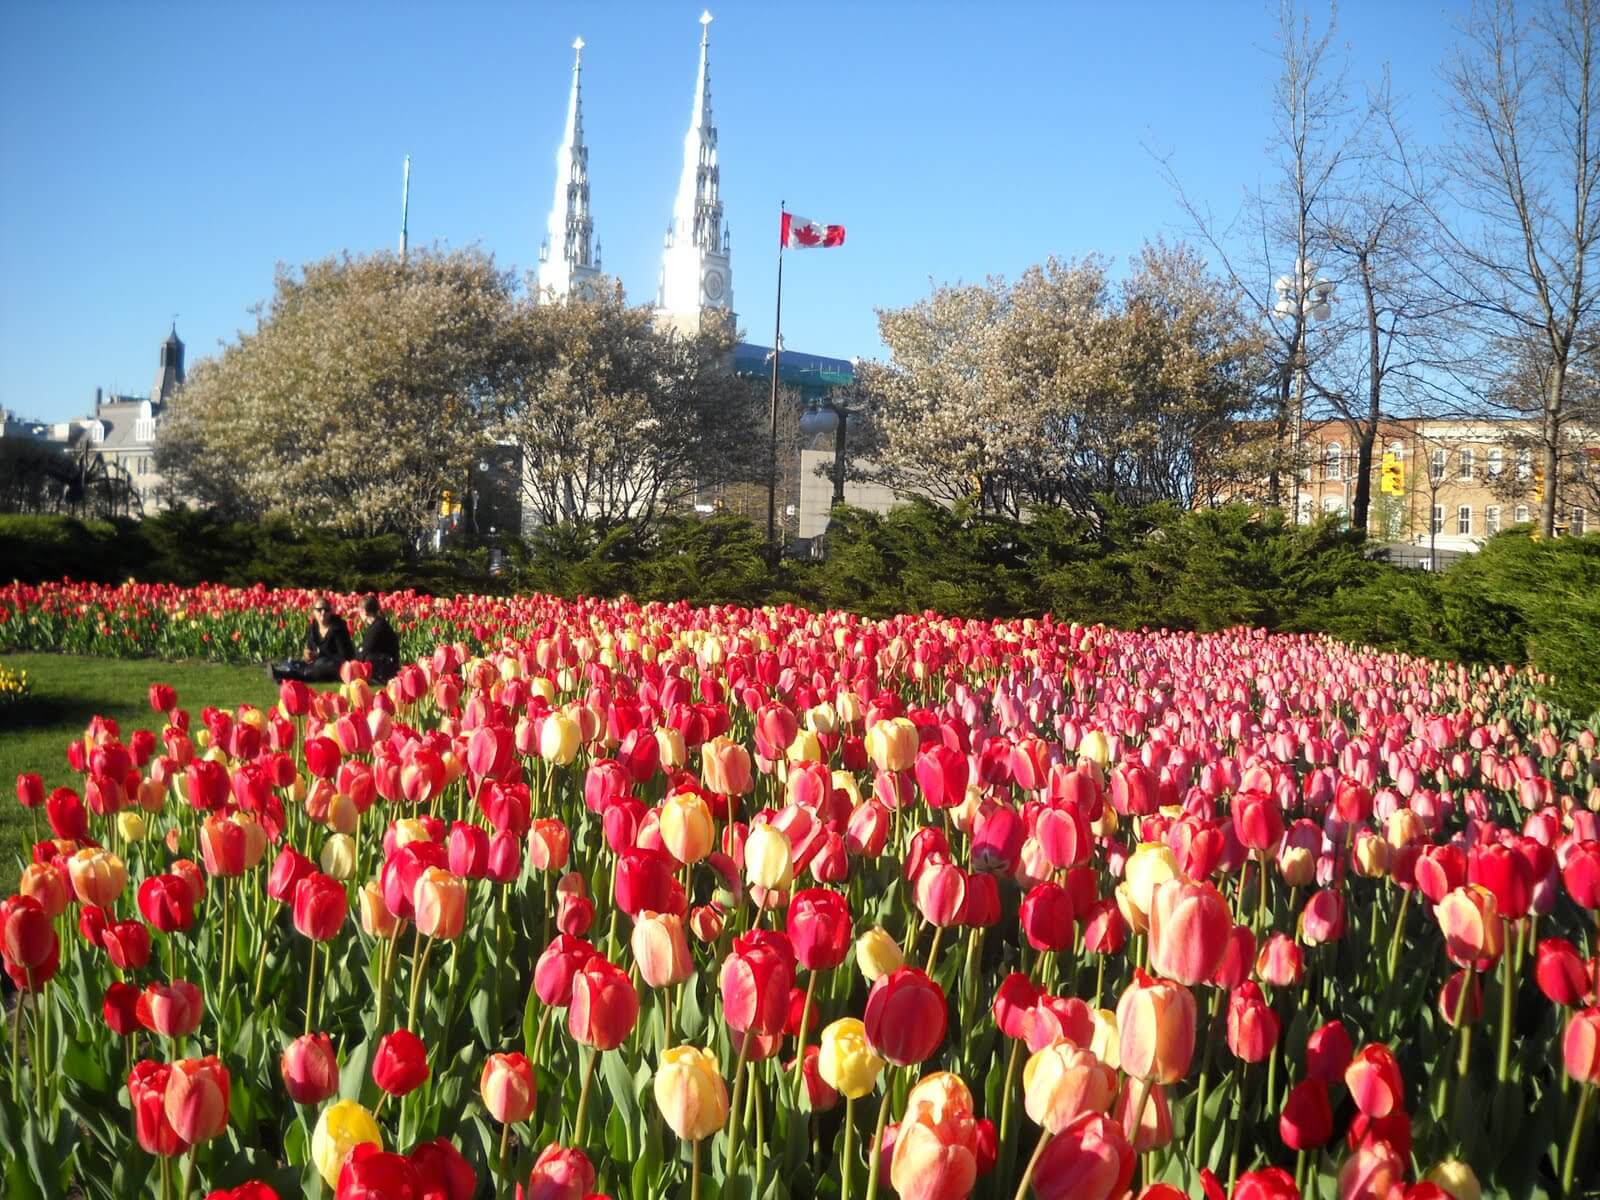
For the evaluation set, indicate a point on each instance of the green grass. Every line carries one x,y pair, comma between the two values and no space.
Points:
67,691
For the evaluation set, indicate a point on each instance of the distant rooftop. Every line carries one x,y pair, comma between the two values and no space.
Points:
795,367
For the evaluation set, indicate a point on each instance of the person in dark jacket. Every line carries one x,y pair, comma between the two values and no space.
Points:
328,647
380,645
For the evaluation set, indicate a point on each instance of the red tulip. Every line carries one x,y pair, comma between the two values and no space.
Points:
1257,820
172,1010
400,1064
556,968
167,902
604,1005
1580,874
820,928
940,893
1270,1183
1252,1024
1561,972
643,881
320,907
442,1171
1307,1118
126,943
1190,927
26,935
163,699
1580,1047
1046,916
755,981
1012,1003
147,1090
1328,1053
905,1016
1373,1078
30,790
252,1190
196,1098
370,1173
120,1008
560,1173
1091,1159
310,1069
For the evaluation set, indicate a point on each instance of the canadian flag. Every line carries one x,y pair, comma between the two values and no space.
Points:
801,234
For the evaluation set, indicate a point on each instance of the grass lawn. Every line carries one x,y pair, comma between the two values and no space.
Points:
67,691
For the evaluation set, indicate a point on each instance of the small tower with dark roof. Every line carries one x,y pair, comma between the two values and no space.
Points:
169,375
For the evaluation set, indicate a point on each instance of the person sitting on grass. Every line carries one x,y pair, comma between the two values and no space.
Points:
380,645
328,646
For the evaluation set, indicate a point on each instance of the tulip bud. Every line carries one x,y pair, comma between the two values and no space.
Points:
767,858
507,1087
342,1127
440,900
687,829
309,1068
1580,1047
1062,1082
400,1064
847,1061
877,954
338,857
690,1092
1156,1020
1456,1178
660,949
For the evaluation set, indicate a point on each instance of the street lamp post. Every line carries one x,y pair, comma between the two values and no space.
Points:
1313,297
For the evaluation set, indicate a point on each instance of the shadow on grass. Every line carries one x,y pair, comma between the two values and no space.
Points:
47,711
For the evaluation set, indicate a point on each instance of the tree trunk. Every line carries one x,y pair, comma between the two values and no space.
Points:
1274,478
1369,432
1551,437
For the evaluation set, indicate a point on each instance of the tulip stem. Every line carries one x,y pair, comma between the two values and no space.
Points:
800,1045
1574,1139
874,1157
1508,1000
761,1131
1038,1151
933,949
847,1168
694,1170
419,967
737,1108
311,985
505,1149
1007,1090
583,1098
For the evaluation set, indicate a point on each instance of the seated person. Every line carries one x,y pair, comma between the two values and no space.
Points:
380,645
328,646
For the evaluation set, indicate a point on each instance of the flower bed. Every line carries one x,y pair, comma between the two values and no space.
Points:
600,898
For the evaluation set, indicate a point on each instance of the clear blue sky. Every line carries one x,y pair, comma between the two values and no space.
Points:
161,158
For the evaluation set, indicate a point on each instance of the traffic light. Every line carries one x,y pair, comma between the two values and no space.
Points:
447,503
1393,479
1538,482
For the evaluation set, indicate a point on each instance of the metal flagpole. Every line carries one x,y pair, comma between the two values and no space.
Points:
405,205
772,445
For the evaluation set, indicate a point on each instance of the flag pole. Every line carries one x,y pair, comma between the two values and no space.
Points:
773,550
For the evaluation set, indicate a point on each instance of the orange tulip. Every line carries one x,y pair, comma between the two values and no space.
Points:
507,1088
1062,1082
661,949
440,899
1156,1018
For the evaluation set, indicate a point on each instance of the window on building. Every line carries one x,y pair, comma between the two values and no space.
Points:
1524,463
1438,518
1491,519
1464,520
1436,467
1522,514
144,429
1464,463
1577,521
1497,462
1304,510
1333,468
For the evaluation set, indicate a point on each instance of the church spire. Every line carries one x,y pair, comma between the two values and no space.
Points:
695,271
566,260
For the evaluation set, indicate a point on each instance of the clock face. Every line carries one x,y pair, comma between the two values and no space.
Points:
713,285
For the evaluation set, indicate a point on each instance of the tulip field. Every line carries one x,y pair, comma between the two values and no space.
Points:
599,898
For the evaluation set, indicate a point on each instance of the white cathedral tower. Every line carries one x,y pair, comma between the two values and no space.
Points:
569,260
695,271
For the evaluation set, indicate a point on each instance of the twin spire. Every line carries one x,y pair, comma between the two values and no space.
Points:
695,268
